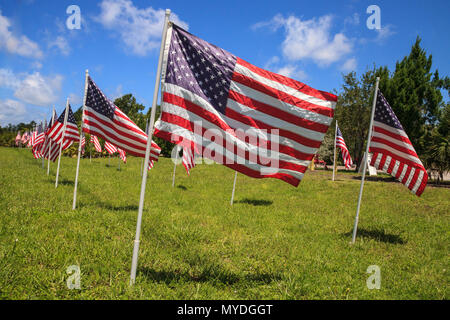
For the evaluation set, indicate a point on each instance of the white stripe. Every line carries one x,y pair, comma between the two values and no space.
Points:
396,166
377,161
411,175
390,129
387,163
402,175
278,86
418,182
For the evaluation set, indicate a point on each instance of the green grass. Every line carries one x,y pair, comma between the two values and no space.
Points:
275,242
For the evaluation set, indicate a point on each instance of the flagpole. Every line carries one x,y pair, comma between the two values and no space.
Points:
147,152
334,157
175,166
146,132
365,162
62,141
234,187
50,142
74,204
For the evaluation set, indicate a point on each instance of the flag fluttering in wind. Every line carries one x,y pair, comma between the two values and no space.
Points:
215,102
96,143
71,134
38,141
110,147
122,155
102,118
188,159
25,137
392,150
341,144
83,144
18,138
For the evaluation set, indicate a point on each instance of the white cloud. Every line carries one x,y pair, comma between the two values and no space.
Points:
311,39
292,71
20,45
139,29
11,111
32,88
61,44
384,33
352,20
349,65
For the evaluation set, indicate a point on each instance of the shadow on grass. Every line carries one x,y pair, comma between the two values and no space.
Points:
255,202
181,187
211,274
376,178
378,235
118,208
66,182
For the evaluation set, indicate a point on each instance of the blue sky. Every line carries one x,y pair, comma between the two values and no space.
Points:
42,62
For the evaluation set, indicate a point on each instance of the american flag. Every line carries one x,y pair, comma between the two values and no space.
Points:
96,143
110,147
341,144
18,138
122,155
207,86
38,141
104,119
45,149
83,144
71,133
25,137
392,150
188,159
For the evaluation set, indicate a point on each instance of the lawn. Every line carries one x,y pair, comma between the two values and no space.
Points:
275,242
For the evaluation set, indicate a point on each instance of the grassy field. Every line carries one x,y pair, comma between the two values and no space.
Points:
275,242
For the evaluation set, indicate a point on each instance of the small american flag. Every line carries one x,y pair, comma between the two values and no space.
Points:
38,141
96,143
18,138
71,133
205,86
104,119
392,150
83,144
341,144
122,155
110,147
25,137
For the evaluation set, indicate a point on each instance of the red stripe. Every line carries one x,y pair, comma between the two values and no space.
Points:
423,184
399,171
414,179
408,171
396,157
391,166
288,82
382,161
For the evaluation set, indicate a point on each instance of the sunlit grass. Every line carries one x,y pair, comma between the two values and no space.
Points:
275,242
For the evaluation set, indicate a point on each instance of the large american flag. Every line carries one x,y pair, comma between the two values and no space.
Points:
341,144
207,87
392,150
96,143
103,119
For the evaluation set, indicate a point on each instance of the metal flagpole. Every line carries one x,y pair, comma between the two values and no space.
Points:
365,162
62,141
146,132
334,157
175,166
50,142
234,187
43,160
74,204
147,152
